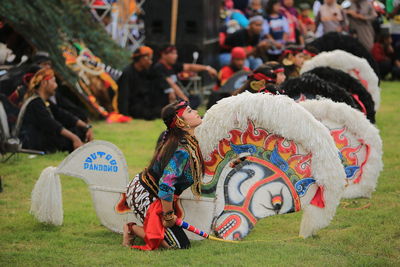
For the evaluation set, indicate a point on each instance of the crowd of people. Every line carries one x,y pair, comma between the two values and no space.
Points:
266,39
254,35
266,28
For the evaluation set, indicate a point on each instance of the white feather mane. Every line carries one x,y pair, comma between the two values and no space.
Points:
342,60
359,125
283,116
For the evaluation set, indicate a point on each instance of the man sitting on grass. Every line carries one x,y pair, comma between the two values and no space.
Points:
44,125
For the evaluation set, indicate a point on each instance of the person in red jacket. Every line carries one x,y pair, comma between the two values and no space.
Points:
382,51
238,57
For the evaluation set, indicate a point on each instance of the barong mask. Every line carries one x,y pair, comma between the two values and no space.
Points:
261,80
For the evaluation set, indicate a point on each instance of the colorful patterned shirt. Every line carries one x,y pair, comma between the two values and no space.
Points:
176,176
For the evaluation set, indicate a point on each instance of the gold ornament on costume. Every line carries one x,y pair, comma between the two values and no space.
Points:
257,85
287,62
180,123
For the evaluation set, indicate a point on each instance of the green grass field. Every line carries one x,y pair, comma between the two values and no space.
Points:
367,237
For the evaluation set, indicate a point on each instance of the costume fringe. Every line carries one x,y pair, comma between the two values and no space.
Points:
47,199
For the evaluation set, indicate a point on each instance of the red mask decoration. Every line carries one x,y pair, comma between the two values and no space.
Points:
308,53
179,110
279,70
259,76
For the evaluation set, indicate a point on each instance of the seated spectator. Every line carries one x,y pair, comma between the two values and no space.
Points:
307,24
142,92
332,17
255,9
232,19
64,98
248,38
17,96
382,52
276,29
168,67
238,56
44,126
293,59
396,63
387,57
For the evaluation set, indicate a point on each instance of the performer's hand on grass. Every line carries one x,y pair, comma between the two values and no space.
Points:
170,223
89,135
77,143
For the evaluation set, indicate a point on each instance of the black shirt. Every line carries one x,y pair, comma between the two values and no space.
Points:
167,71
42,125
141,93
241,38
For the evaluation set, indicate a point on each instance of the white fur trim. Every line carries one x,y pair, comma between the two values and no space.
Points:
283,116
339,59
46,199
359,125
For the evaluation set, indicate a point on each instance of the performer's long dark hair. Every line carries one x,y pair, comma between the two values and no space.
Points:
170,139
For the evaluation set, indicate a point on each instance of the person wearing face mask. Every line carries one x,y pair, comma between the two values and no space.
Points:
177,164
43,125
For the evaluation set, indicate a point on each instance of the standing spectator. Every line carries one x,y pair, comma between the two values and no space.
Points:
141,92
277,29
361,14
316,7
332,17
291,15
249,39
169,67
307,24
238,56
